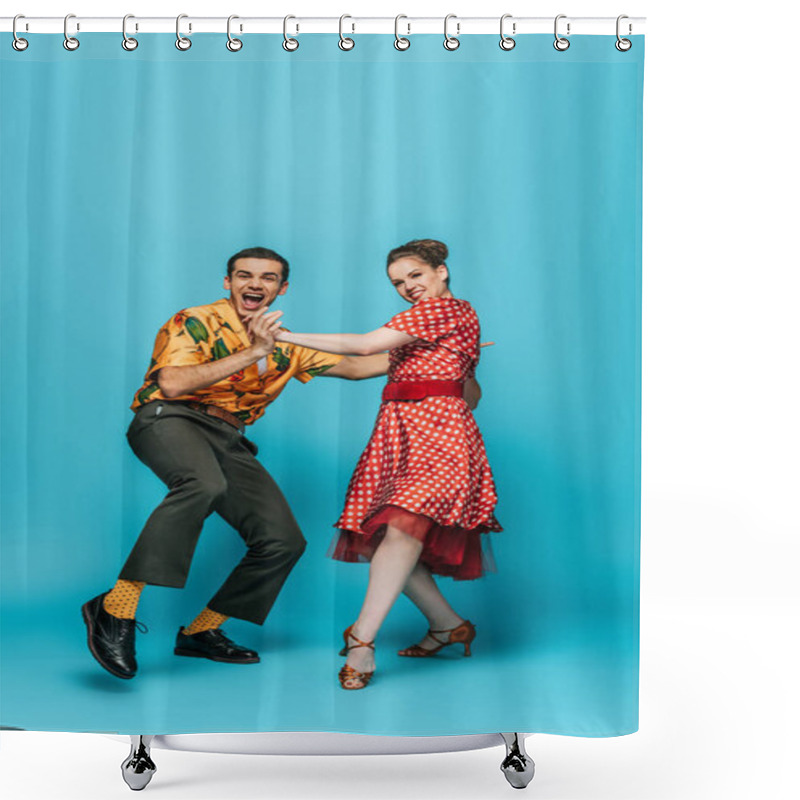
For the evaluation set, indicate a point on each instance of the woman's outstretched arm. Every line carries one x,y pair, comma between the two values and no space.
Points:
347,344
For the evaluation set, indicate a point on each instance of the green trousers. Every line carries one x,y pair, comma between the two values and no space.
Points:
209,466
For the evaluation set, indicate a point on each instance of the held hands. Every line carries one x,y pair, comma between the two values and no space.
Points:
263,331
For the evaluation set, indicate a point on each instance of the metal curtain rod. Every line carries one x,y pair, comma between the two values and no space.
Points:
244,25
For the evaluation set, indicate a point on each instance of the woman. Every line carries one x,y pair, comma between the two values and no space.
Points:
422,493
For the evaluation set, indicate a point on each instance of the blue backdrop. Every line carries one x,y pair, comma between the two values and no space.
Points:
128,179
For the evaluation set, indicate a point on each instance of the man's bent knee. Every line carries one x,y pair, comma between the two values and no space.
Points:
289,547
293,547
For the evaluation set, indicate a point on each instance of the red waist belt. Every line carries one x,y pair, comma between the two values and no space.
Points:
417,390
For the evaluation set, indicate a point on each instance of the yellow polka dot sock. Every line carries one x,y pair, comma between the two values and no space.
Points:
205,621
123,599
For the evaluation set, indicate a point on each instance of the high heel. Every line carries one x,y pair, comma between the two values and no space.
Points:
461,634
348,674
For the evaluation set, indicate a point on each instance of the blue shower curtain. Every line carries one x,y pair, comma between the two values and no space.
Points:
129,178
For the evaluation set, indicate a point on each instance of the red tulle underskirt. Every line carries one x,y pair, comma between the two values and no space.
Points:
452,551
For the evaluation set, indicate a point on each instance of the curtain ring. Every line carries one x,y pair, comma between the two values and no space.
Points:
128,42
19,44
400,42
233,44
623,45
506,42
181,42
70,42
560,43
289,44
451,42
345,42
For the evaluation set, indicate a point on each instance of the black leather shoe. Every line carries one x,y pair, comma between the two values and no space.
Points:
112,641
215,645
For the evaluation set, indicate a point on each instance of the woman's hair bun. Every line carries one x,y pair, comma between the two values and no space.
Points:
431,251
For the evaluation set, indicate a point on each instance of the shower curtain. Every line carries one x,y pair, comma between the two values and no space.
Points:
129,179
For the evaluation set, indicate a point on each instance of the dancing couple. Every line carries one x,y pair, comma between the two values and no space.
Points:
421,496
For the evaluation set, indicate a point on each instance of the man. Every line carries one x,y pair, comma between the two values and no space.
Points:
214,370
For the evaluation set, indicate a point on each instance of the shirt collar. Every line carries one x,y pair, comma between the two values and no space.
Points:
225,309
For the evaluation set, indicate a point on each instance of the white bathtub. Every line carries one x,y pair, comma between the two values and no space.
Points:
139,767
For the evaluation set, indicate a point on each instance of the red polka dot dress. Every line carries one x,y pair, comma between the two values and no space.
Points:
424,469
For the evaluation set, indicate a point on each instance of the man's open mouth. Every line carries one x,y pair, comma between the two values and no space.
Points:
252,301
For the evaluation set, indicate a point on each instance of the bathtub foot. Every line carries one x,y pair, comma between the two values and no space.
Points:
138,768
517,766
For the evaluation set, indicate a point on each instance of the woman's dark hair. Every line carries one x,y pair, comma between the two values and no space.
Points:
260,252
431,251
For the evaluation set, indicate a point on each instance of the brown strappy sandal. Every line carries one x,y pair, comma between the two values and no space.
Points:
348,674
462,634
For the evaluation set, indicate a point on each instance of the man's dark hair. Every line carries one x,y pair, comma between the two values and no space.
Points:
260,252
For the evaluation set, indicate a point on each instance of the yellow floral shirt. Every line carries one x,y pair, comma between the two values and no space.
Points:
207,333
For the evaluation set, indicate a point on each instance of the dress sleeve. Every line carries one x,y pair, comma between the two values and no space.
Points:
429,320
311,363
182,341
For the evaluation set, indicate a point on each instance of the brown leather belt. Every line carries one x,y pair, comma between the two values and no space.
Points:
216,411
417,390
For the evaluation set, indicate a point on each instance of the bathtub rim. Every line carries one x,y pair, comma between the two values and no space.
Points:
322,743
